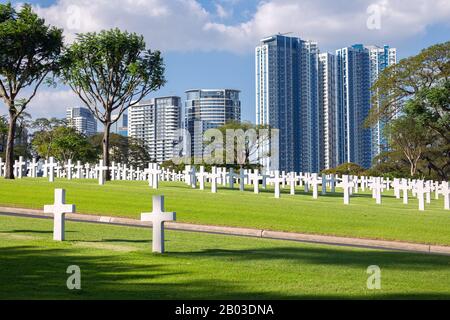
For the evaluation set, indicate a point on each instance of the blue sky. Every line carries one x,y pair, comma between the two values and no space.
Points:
210,44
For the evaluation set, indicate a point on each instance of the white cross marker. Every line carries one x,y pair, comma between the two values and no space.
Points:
404,187
231,178
292,179
347,185
242,177
445,191
59,210
51,167
277,180
420,191
101,172
315,183
157,217
201,175
69,166
214,175
254,177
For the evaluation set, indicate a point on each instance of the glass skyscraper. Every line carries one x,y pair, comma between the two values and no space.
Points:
380,59
155,122
208,109
287,99
353,105
82,119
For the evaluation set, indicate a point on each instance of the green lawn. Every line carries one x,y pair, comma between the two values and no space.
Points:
328,215
117,263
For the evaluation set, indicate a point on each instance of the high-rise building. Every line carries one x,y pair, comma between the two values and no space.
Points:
207,109
380,59
120,126
155,122
353,105
328,111
82,120
287,99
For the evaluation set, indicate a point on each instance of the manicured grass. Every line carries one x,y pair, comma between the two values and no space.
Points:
300,213
117,263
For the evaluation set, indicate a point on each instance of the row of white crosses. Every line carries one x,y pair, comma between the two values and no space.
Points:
158,217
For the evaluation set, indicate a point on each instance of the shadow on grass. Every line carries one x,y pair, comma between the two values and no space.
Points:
27,272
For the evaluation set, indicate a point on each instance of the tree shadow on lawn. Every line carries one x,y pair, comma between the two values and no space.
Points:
30,273
328,256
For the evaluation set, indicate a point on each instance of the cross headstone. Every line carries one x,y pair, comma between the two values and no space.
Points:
377,186
59,210
347,185
51,169
101,168
69,166
20,164
242,177
254,177
193,177
420,192
445,191
277,180
396,186
34,168
404,187
2,165
213,176
231,176
315,184
79,168
158,217
201,175
292,179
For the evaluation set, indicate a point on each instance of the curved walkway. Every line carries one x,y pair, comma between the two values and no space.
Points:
246,232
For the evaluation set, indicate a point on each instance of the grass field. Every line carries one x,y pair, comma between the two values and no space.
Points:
300,213
117,263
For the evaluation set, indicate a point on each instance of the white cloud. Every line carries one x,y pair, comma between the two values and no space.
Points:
52,103
183,25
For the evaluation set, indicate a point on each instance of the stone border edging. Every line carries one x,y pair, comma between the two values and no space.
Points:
246,232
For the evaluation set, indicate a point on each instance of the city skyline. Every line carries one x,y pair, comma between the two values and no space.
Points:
233,60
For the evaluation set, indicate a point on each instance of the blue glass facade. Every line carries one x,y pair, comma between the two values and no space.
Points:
353,104
287,99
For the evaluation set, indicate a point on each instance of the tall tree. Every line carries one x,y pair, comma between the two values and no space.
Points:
29,53
409,137
111,71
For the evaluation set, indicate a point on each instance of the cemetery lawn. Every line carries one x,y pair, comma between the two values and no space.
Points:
300,213
116,263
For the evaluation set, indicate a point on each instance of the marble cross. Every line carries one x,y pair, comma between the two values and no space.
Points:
315,183
404,187
101,168
231,176
34,168
193,178
113,169
347,185
69,166
21,164
51,169
396,186
79,168
242,177
158,217
292,179
213,176
377,187
201,175
420,192
2,164
59,210
277,180
124,172
254,177
445,191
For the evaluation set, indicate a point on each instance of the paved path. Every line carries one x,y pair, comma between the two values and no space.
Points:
247,232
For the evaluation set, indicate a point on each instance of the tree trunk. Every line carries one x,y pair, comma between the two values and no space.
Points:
106,149
9,155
